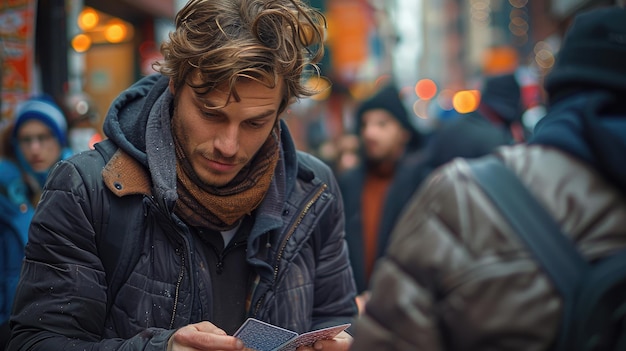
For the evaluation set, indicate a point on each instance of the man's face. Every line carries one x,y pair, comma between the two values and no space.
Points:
383,136
219,142
38,145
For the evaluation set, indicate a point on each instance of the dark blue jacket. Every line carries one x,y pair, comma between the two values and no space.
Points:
305,281
402,187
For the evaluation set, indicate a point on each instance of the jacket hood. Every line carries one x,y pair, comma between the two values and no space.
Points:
127,118
591,126
127,121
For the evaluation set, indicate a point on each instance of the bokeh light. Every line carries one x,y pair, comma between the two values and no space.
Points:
420,108
444,99
88,19
81,43
425,89
466,101
321,85
115,32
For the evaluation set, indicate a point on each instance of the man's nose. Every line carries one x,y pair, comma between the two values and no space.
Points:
227,143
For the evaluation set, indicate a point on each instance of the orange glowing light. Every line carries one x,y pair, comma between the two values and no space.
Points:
115,32
88,19
466,101
81,43
425,89
321,85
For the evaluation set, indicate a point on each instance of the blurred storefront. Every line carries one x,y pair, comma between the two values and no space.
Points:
119,43
67,47
465,40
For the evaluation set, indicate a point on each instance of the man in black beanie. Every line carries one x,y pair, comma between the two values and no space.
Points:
456,276
389,149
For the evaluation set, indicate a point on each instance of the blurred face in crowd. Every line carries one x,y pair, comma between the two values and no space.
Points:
38,145
383,136
220,137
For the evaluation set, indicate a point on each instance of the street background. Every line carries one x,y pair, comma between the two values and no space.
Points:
436,52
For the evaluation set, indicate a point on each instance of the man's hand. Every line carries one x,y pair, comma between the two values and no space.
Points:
361,301
203,336
341,342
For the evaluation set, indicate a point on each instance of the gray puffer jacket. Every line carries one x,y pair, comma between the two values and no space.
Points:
457,277
296,246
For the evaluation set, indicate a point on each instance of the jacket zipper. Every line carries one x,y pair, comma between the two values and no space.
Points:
292,230
181,274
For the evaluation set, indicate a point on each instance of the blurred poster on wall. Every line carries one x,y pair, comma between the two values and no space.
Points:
17,46
349,24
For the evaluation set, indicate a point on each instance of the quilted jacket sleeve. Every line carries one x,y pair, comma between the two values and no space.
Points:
61,298
335,288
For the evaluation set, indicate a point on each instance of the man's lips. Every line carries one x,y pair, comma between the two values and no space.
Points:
220,166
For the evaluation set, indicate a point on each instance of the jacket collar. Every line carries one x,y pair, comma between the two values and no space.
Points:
124,175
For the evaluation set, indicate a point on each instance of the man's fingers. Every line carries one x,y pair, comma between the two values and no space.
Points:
341,342
208,327
206,337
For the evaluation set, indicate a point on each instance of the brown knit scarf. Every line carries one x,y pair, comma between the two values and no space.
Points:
220,208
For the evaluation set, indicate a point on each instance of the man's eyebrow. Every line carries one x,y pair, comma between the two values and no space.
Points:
208,103
264,114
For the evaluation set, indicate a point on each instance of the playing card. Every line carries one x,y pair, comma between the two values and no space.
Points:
262,336
311,337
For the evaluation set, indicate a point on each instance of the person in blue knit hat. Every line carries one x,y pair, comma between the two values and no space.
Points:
34,142
39,137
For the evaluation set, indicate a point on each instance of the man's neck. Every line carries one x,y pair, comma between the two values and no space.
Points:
382,168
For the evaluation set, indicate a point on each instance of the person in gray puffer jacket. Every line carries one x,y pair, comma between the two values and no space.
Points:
220,215
456,275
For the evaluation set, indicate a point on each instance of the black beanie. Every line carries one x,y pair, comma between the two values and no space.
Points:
503,95
388,99
593,52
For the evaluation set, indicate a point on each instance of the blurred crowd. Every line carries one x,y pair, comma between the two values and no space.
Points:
419,232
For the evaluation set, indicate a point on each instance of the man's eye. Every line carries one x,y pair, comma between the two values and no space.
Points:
209,114
256,124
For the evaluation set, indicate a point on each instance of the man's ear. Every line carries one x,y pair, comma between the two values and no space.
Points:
171,87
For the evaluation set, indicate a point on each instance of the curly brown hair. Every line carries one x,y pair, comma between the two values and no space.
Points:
222,41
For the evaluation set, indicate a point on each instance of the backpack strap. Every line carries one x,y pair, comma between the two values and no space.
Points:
601,308
116,246
538,230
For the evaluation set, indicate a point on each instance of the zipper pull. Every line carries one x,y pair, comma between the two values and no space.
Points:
220,265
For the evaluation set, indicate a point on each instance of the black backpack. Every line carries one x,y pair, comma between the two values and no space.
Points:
594,294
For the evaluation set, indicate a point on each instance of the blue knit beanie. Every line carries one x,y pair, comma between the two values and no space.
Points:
43,109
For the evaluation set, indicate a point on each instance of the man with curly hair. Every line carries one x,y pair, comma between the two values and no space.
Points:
223,218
